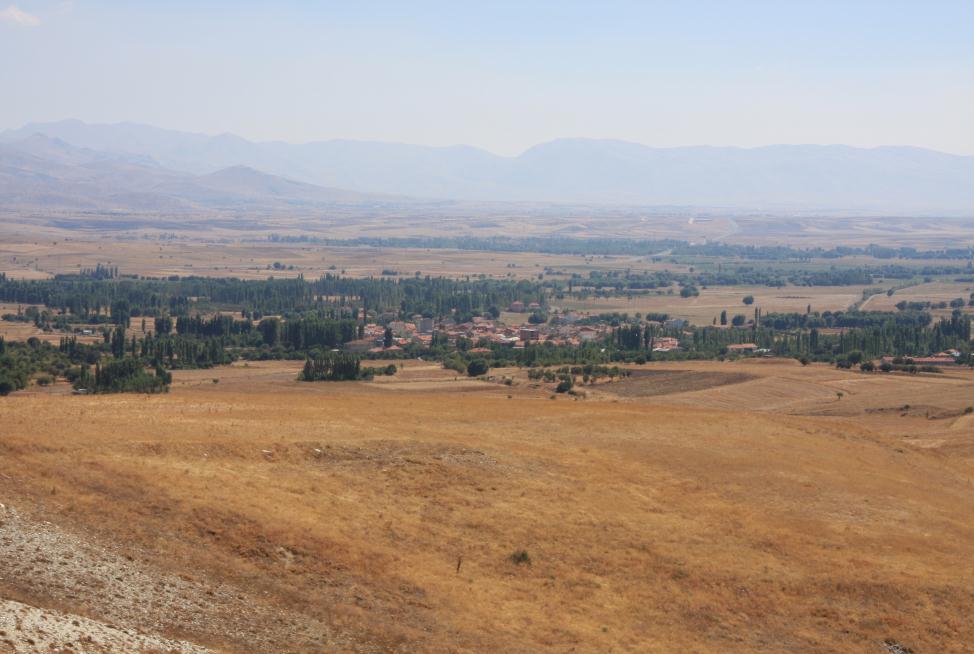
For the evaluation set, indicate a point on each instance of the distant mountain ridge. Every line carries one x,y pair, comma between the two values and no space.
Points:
891,179
41,172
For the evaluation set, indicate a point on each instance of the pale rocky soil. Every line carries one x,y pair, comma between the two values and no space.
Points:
134,601
25,629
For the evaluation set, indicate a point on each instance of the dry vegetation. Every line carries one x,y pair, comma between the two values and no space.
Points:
42,258
709,507
939,291
702,309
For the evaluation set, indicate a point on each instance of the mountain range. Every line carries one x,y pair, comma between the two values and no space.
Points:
137,166
40,172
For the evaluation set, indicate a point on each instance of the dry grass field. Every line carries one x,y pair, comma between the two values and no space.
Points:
42,258
858,231
695,507
939,291
702,309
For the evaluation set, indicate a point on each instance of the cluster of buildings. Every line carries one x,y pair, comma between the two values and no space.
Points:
421,330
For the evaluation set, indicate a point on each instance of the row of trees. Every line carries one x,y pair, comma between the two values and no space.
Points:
331,366
642,247
873,334
120,300
123,376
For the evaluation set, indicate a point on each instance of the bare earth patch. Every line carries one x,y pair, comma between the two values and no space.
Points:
649,383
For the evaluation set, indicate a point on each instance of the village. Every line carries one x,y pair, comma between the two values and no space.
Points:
565,328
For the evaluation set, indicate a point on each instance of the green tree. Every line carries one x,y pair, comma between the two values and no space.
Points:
477,367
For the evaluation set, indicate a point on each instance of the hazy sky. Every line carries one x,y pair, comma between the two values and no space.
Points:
501,75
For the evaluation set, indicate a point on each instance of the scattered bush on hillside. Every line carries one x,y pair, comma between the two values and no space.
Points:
520,557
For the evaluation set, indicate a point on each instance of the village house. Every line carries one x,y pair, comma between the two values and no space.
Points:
528,335
742,348
666,344
360,345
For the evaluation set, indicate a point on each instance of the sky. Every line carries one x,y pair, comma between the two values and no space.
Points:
501,75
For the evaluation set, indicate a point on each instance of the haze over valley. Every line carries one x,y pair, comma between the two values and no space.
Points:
71,164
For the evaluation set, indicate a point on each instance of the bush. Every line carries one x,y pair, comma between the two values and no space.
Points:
520,557
748,299
477,367
45,380
391,369
867,366
455,363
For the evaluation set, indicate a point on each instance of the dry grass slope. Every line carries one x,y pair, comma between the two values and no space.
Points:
260,514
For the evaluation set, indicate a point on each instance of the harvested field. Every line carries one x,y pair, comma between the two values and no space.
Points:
703,309
935,292
209,257
648,383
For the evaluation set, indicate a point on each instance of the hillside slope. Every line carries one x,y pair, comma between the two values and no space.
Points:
383,517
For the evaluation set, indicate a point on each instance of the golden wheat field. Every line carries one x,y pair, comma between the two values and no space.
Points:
709,507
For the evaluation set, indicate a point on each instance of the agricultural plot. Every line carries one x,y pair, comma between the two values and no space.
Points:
703,309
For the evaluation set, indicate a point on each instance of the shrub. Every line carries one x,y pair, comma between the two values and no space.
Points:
477,367
455,363
748,299
520,557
